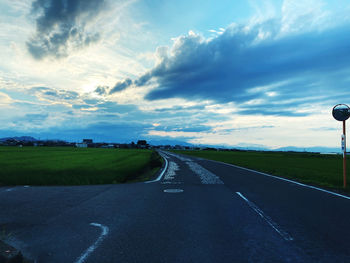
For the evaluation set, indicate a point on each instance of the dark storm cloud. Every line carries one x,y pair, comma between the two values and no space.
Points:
229,67
102,90
62,23
119,86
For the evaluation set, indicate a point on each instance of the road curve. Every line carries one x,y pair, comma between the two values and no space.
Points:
196,211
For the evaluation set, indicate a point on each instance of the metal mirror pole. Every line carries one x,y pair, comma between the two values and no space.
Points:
341,112
344,156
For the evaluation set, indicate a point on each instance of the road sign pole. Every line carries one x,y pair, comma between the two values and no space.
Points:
344,155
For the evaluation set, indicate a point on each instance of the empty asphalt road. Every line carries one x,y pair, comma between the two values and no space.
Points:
197,211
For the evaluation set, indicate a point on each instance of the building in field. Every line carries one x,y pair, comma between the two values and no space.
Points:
81,145
86,143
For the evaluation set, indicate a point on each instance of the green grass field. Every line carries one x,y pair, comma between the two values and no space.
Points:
75,166
316,169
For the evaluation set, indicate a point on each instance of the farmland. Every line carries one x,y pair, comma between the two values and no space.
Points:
316,169
75,166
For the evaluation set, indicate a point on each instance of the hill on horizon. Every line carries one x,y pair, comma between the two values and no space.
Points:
20,138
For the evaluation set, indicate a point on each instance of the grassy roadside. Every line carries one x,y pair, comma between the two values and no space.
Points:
71,166
155,164
317,169
75,166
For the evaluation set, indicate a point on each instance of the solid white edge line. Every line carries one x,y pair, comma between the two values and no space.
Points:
284,179
104,233
162,173
268,220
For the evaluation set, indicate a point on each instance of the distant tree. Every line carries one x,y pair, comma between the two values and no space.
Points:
141,142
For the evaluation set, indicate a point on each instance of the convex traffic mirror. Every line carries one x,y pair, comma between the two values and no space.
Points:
341,112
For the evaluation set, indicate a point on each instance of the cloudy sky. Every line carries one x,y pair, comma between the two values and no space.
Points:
233,73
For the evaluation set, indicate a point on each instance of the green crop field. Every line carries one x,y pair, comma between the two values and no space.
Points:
316,169
75,166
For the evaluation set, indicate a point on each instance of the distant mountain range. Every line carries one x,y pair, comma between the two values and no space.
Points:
21,138
309,149
168,142
253,147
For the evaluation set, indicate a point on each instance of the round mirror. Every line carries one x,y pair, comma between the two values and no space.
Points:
341,112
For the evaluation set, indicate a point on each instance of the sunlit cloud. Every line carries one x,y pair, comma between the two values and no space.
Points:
266,76
5,99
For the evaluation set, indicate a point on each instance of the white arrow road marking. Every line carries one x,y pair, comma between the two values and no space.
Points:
282,233
91,249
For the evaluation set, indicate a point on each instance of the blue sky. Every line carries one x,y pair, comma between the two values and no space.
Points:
231,73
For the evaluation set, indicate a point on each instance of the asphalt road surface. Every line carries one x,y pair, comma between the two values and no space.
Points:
196,211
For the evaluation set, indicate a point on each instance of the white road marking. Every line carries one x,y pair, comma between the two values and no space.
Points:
205,176
171,172
14,188
171,182
282,233
91,249
180,157
286,180
161,174
173,191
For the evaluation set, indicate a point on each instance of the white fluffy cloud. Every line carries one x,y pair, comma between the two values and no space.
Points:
268,81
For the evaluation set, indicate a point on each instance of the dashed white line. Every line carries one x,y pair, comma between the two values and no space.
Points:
91,249
274,225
